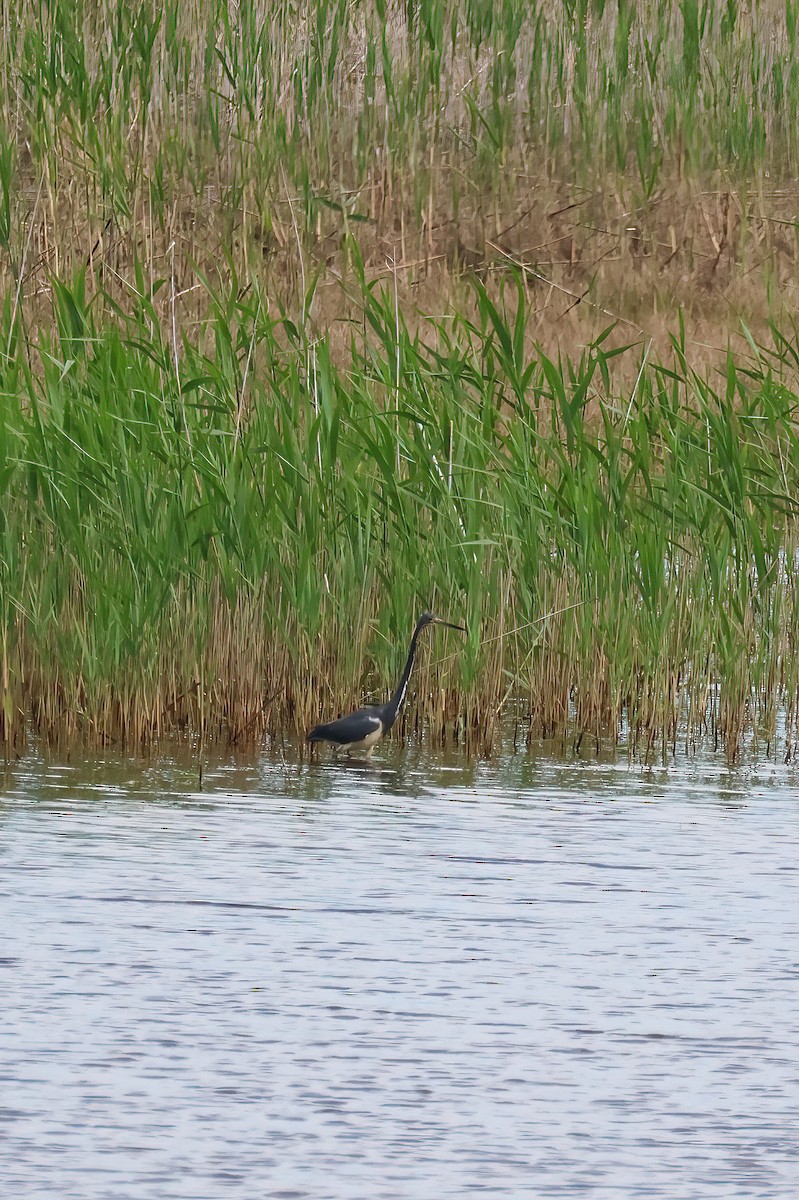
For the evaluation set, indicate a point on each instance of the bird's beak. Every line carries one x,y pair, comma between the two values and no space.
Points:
449,625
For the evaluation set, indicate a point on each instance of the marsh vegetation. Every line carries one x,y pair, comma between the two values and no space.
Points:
318,314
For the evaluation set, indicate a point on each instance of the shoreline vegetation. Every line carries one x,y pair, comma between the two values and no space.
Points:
319,314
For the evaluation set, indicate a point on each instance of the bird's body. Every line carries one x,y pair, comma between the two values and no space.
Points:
363,729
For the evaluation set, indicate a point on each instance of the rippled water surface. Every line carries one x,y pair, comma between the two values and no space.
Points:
417,978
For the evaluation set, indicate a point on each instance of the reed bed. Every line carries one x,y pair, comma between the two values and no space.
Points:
237,542
316,313
634,158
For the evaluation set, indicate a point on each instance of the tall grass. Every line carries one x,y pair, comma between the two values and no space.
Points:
259,137
234,541
283,287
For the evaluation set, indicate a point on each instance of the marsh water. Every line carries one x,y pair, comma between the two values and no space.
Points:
417,978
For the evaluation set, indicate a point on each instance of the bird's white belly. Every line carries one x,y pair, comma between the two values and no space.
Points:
367,743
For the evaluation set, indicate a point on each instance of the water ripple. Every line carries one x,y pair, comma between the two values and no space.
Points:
425,979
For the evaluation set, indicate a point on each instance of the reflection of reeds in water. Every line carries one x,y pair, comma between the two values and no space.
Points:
242,545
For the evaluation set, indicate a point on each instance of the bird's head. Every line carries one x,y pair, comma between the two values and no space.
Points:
429,618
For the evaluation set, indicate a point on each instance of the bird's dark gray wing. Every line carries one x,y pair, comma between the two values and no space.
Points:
347,730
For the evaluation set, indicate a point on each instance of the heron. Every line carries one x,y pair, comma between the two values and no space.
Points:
363,729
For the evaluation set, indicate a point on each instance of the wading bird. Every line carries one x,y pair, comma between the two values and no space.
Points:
364,728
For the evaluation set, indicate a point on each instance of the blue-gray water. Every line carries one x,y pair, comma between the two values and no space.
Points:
420,979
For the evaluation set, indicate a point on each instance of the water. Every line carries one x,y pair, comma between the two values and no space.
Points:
417,979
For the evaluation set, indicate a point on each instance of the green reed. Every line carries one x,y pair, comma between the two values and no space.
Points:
235,462
236,535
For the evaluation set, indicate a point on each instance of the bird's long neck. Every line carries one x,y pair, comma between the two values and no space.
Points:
395,703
